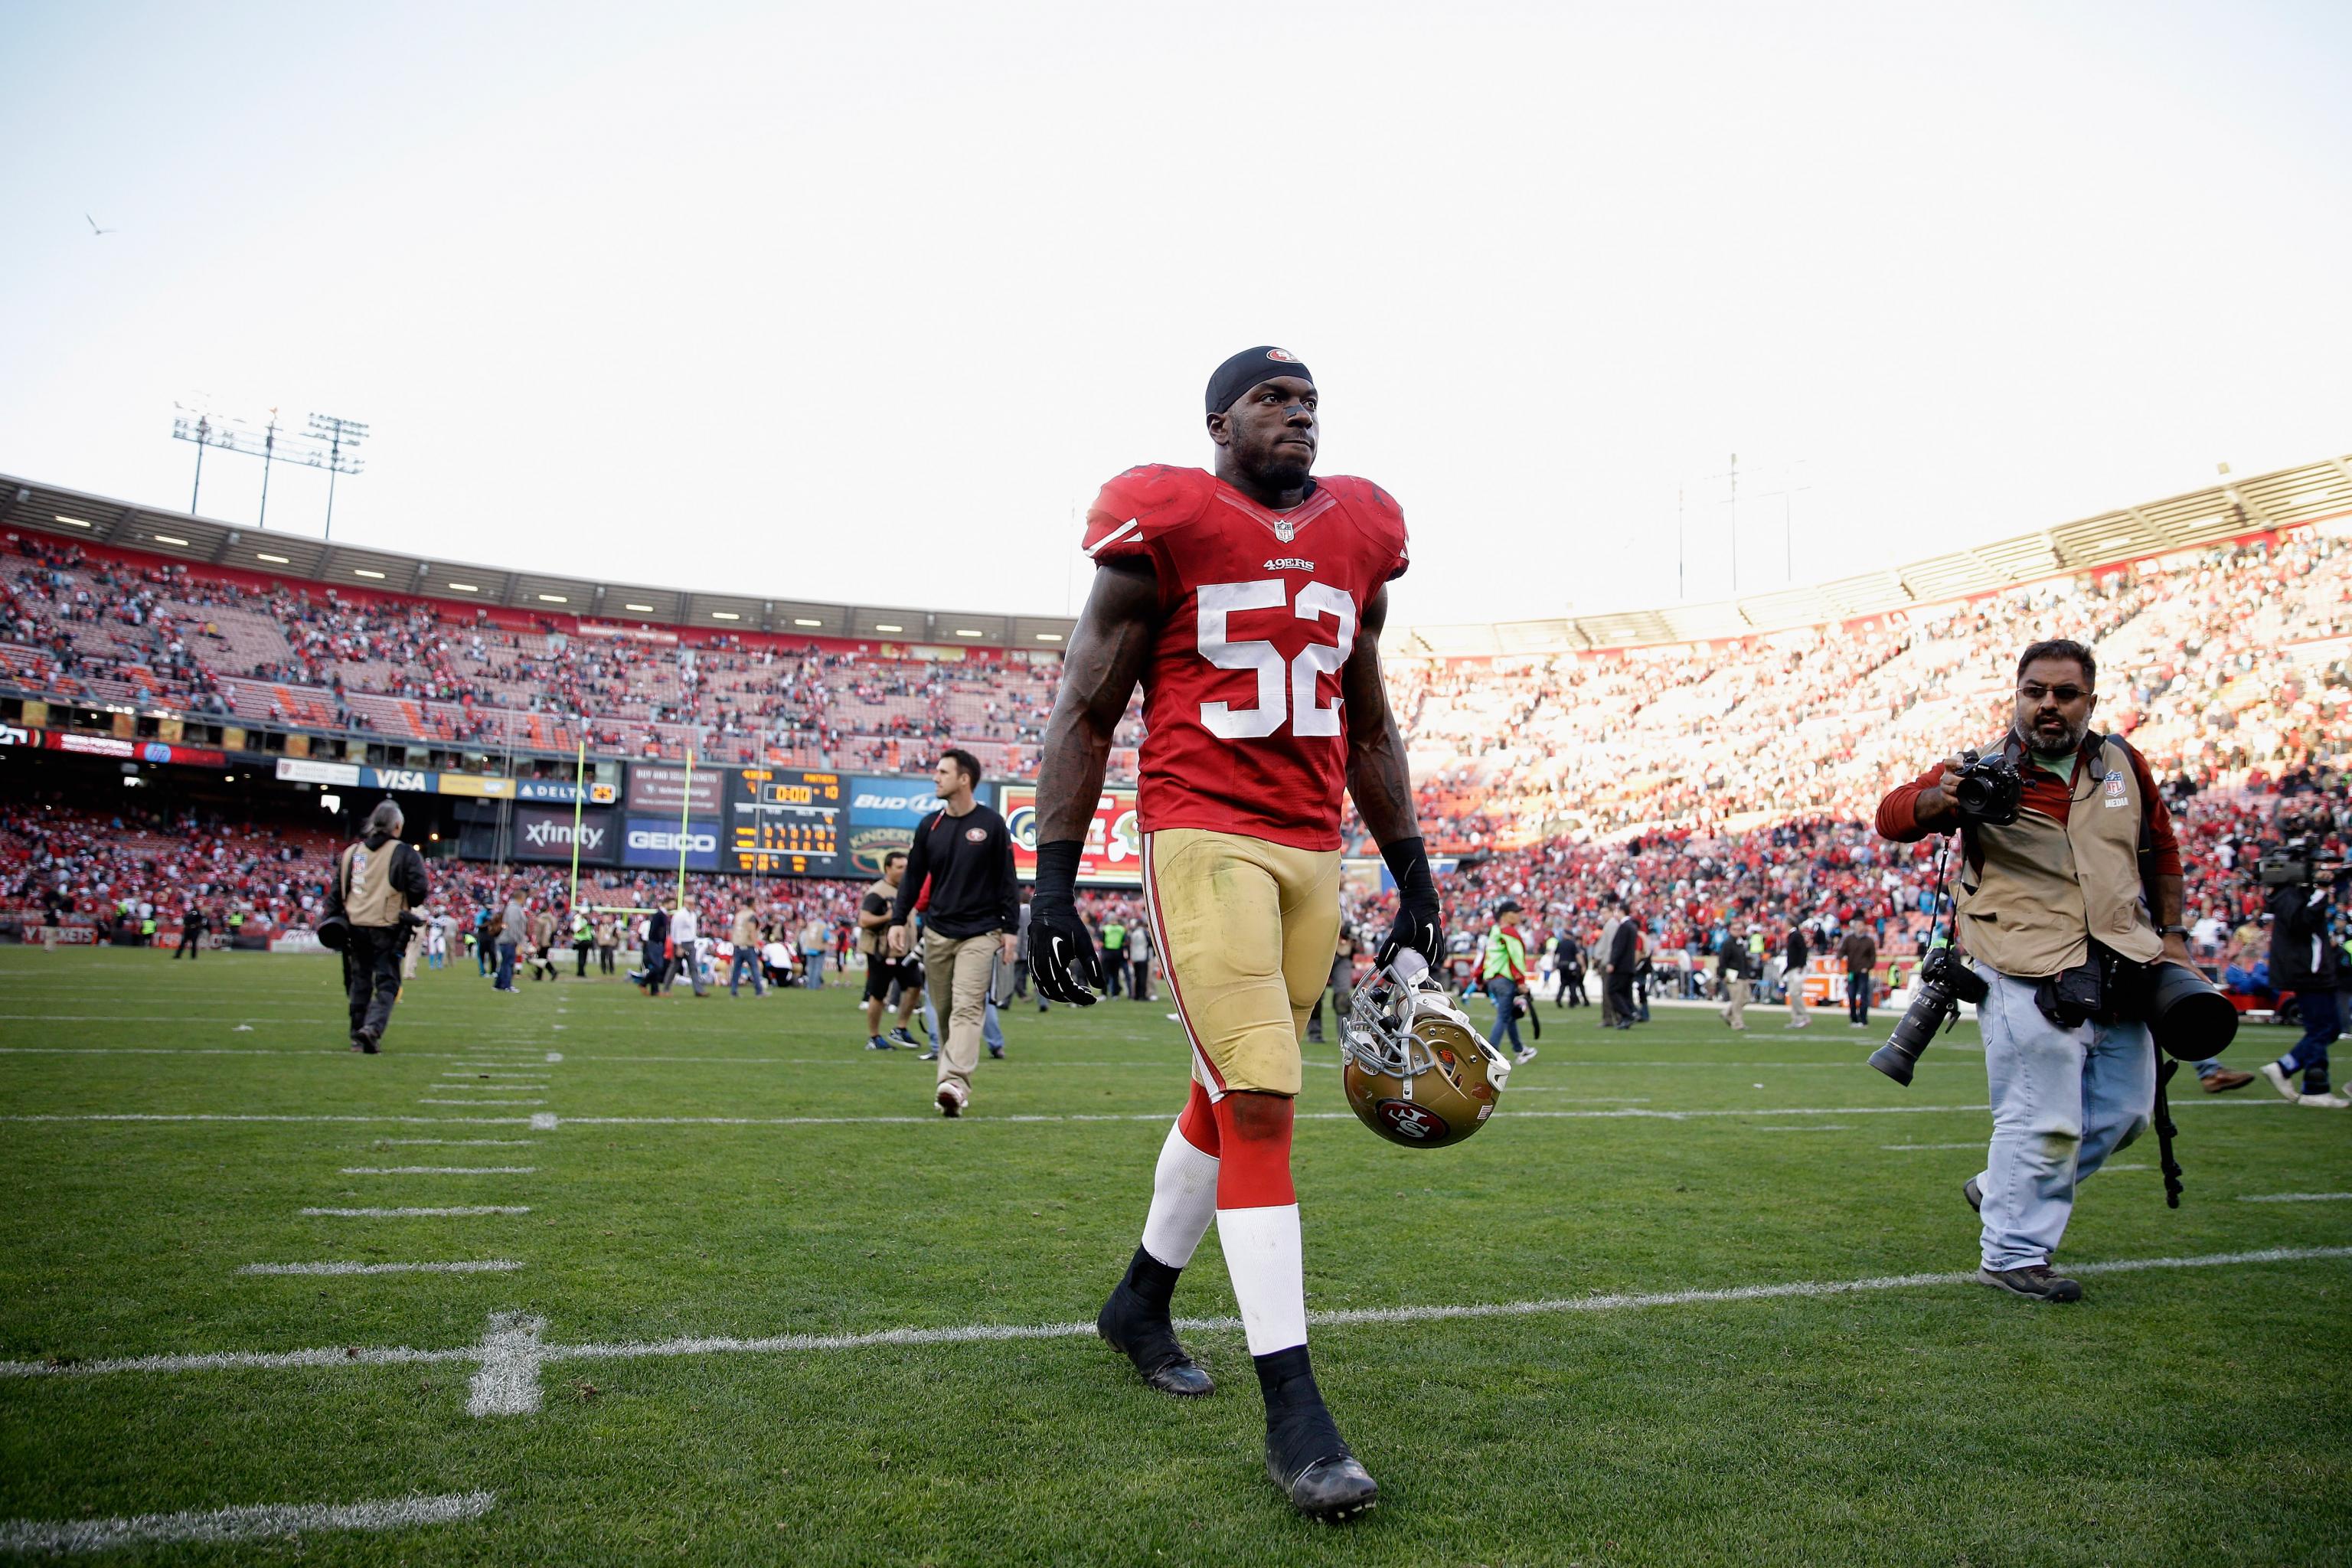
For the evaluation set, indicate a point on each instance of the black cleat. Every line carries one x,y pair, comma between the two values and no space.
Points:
1131,1326
1974,1194
1303,1454
997,1053
1333,1490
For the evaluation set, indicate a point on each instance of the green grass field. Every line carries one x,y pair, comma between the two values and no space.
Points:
742,1171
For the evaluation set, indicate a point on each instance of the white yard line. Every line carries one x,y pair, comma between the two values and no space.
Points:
481,1102
513,1339
460,1142
506,1384
1815,1127
492,1265
1977,1145
438,1170
223,1116
465,1211
264,1521
2294,1197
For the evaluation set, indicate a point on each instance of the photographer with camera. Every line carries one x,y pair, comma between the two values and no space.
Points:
2304,961
377,882
2069,904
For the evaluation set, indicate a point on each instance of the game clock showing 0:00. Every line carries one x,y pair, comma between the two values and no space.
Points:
784,822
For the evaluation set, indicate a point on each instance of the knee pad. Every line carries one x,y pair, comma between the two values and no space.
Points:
1253,1158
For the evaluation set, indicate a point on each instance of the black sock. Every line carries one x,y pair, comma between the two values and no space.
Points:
1298,1425
1152,1279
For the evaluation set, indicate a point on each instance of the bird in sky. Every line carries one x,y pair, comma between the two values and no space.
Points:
93,225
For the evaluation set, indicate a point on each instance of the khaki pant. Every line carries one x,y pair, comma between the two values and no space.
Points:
1797,1019
1735,1002
955,969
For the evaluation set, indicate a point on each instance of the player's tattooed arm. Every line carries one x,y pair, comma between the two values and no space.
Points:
1378,779
1099,672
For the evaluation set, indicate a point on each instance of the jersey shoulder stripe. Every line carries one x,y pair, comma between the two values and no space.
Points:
1142,505
1377,512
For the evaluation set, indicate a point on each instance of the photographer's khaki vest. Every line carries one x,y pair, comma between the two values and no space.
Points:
2046,887
369,897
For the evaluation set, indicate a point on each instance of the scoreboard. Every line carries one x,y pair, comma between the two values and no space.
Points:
784,822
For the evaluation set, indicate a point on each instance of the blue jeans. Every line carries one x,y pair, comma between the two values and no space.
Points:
2322,1023
506,966
746,962
813,969
2063,1100
1505,991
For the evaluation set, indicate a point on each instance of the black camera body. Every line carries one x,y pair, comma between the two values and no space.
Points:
1942,983
2291,864
1989,789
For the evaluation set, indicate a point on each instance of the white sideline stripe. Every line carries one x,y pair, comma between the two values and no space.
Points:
465,1211
481,1102
493,1265
224,1116
438,1170
271,1521
460,1142
2294,1197
507,1382
980,1333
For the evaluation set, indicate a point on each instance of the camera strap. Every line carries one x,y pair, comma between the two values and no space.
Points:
2165,1067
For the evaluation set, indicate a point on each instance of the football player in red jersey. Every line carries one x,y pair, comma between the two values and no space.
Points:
1249,604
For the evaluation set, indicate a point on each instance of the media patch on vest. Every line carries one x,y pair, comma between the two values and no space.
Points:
2113,789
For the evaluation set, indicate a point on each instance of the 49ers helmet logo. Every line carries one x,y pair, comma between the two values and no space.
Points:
1285,355
1411,1121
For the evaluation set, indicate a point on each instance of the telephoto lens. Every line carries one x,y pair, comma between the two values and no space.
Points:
1944,984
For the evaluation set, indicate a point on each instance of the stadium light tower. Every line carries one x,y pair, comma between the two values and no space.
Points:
342,436
337,457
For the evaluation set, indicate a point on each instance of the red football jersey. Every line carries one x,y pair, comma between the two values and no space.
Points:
1244,729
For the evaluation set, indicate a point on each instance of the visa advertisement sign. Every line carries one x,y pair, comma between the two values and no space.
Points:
653,842
883,816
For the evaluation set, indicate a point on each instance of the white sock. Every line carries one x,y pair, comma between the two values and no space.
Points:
1262,1254
1184,1199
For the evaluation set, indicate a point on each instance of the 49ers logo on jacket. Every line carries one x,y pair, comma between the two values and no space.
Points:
1411,1121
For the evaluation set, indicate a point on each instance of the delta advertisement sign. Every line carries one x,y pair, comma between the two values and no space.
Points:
1114,853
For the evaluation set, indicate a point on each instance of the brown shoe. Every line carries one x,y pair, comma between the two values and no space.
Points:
2223,1079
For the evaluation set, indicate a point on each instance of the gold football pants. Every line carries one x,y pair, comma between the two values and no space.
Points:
1245,931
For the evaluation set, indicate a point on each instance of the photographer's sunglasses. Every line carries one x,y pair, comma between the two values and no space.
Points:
2035,691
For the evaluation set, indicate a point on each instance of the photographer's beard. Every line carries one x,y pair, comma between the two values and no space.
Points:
2045,731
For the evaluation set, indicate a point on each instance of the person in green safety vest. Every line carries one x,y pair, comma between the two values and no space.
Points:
1506,974
1114,946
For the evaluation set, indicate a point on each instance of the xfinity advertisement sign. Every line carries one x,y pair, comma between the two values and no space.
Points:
653,842
542,833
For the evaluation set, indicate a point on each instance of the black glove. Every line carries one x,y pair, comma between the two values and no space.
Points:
1419,923
1061,950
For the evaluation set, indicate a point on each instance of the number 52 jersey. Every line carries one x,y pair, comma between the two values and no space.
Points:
1245,728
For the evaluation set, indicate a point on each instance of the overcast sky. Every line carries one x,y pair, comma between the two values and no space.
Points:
863,302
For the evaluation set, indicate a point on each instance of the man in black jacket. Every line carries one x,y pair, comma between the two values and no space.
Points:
973,913
2302,960
1793,959
1624,958
376,883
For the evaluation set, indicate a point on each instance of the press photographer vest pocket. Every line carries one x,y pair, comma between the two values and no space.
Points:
2047,886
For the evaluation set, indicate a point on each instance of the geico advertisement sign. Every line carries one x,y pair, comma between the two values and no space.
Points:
650,841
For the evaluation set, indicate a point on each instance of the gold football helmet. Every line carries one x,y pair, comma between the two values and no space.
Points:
1414,1069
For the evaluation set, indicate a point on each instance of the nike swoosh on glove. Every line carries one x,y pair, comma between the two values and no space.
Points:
1062,953
1419,923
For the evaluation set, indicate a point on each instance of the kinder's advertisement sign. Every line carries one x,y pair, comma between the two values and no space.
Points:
883,816
1113,852
652,842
